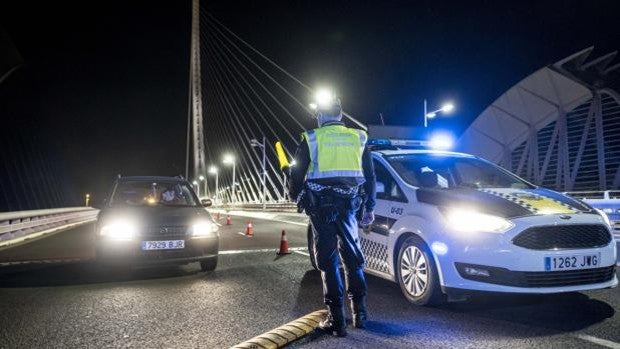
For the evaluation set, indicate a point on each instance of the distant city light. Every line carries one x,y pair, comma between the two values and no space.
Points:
229,159
213,170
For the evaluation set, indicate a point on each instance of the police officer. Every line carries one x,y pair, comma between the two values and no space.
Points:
333,166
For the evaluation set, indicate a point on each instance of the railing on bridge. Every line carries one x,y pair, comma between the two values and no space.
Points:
607,201
18,226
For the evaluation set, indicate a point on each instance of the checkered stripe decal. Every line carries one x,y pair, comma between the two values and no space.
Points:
527,205
375,254
344,191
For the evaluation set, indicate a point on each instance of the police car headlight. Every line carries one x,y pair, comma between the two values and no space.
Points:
469,221
204,229
604,216
119,230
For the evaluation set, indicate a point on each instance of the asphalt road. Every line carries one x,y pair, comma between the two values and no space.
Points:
253,291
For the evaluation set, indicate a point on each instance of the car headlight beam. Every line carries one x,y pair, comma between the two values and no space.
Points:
470,221
204,229
119,230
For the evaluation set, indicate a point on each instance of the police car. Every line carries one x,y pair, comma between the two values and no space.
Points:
448,224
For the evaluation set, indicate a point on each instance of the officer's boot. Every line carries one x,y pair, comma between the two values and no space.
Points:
334,323
359,312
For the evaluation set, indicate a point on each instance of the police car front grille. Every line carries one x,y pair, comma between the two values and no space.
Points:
505,277
569,277
160,231
575,236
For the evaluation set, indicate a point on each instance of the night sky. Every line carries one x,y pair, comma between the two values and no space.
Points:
103,89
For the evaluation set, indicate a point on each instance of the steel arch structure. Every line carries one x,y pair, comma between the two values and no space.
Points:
558,128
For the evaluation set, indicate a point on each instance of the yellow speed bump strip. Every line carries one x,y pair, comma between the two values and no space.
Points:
285,334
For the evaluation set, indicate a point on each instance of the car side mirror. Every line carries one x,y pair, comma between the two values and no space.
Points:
380,187
206,202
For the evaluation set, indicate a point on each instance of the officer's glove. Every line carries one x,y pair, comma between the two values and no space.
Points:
368,218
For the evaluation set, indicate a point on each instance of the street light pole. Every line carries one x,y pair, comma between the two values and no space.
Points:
255,143
229,159
425,115
446,108
202,179
213,170
195,183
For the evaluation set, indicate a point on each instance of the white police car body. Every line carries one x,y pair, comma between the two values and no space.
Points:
450,223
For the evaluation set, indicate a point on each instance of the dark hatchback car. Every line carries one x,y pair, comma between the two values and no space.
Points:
156,220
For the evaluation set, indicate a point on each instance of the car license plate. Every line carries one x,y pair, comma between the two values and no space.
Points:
572,262
163,245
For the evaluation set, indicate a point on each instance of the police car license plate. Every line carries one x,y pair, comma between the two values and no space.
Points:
163,245
572,262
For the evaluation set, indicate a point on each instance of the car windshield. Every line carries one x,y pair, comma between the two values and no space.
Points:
446,171
149,193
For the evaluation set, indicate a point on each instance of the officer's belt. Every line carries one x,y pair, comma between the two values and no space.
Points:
339,190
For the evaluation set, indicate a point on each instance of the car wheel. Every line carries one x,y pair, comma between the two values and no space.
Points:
208,264
417,274
311,247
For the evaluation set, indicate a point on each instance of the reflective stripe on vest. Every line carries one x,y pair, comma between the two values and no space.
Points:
335,151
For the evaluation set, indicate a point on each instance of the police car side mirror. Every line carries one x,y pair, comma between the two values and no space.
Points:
380,187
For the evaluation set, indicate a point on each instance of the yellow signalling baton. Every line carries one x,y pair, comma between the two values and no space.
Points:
281,156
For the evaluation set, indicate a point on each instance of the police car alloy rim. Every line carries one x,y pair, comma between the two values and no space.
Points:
414,271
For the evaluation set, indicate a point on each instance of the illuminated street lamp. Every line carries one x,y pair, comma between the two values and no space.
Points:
229,159
87,199
446,108
213,170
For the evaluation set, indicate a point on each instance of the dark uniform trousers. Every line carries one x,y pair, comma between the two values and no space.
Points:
335,232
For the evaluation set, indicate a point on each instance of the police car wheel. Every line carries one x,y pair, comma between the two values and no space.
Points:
417,274
208,264
311,247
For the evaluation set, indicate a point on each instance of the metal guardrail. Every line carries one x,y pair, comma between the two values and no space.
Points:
23,224
283,206
595,194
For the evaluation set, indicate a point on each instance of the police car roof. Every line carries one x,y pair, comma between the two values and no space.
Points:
152,178
422,151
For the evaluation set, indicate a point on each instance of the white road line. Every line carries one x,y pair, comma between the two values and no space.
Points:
301,252
240,233
602,342
262,250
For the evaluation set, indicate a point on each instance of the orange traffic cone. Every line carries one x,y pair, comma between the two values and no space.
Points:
283,244
248,229
228,220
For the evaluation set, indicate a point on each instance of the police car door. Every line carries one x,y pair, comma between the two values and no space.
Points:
390,206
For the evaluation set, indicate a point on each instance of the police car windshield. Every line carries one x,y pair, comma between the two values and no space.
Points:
147,193
444,171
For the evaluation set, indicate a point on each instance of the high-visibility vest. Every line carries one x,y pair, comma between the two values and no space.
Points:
335,151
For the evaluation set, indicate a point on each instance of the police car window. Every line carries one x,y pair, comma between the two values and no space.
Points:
444,171
392,190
